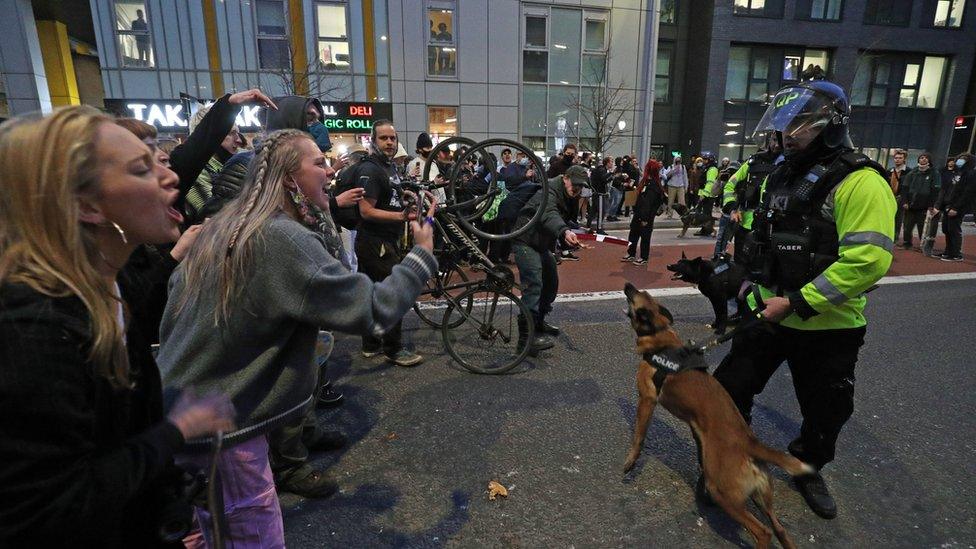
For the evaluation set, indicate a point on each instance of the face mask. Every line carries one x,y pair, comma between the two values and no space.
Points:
699,164
524,161
960,163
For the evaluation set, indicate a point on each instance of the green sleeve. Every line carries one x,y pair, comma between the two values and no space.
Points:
864,211
728,192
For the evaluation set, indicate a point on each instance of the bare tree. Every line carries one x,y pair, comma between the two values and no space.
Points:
601,109
318,79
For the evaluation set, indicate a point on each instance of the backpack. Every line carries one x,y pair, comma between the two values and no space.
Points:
348,217
511,205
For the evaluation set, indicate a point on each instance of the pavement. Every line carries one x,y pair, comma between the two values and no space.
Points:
426,441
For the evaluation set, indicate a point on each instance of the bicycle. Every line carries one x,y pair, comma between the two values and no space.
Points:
480,325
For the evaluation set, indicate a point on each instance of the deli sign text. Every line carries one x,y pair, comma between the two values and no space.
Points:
341,117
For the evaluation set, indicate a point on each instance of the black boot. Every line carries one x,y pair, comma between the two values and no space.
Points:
543,327
813,488
538,343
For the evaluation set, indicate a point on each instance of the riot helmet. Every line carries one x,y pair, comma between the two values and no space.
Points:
801,113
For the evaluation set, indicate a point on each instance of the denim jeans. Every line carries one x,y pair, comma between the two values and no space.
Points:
616,198
537,277
725,231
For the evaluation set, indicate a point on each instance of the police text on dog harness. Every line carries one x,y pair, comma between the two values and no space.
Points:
673,361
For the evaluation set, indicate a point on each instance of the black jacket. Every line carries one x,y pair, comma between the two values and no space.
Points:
647,203
189,158
960,194
84,465
143,283
552,224
601,179
919,189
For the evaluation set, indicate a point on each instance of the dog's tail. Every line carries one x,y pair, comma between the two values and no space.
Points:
784,461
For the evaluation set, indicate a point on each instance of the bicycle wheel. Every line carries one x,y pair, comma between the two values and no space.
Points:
479,202
452,282
485,339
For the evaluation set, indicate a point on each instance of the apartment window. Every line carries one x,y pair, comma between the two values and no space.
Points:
565,47
333,39
871,83
441,42
754,73
273,47
669,12
535,53
442,122
758,8
922,83
888,12
825,10
134,34
948,13
594,62
662,75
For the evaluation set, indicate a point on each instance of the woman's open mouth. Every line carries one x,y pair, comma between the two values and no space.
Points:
174,214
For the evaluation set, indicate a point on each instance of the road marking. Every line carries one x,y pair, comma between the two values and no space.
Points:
690,290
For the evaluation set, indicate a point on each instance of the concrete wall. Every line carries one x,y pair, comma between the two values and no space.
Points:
20,59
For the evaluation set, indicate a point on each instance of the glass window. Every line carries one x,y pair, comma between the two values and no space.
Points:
909,86
533,110
930,83
134,34
948,13
759,81
669,11
596,34
888,12
594,69
879,84
662,76
535,66
828,10
563,120
442,122
333,42
441,49
791,67
815,61
565,49
737,77
758,8
274,51
535,31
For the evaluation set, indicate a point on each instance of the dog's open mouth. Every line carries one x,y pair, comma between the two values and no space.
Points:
678,275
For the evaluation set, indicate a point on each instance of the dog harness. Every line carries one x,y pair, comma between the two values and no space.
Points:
673,361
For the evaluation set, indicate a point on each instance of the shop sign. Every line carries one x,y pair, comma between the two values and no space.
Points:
169,115
345,117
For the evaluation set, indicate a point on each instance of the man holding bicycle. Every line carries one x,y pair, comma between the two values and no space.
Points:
533,252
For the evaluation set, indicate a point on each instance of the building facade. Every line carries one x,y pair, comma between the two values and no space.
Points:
543,72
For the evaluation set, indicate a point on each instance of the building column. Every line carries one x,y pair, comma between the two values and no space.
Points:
299,56
21,61
213,48
62,84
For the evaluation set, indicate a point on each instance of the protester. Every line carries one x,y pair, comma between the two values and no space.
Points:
957,199
650,197
559,163
918,192
86,448
533,253
246,307
895,175
676,180
202,189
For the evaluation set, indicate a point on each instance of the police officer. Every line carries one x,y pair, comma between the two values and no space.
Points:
741,193
707,194
823,235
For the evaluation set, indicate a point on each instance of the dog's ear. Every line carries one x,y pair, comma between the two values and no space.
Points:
666,313
683,256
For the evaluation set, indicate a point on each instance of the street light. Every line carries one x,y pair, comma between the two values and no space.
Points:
621,124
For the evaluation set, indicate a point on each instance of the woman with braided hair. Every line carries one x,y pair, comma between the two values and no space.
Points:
247,304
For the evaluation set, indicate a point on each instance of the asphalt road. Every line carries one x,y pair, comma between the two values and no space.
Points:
426,441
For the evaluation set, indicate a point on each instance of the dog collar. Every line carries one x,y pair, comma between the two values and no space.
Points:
674,360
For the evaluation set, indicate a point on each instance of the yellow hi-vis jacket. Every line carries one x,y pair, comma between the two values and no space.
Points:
863,209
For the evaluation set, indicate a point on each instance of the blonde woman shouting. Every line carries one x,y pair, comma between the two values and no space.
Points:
245,308
87,453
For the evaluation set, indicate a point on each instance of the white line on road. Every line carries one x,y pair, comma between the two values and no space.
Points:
690,290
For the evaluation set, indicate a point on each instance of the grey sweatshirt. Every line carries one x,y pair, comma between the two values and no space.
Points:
262,355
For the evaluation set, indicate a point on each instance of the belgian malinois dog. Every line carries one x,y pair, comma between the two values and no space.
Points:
731,457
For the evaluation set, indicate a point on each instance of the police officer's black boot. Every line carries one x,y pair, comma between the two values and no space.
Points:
538,343
812,487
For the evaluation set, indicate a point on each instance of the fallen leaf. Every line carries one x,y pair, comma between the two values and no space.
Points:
495,489
391,436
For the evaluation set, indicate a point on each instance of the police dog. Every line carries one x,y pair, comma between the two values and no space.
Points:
731,457
719,280
690,217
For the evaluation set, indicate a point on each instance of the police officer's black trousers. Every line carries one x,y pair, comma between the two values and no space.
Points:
822,365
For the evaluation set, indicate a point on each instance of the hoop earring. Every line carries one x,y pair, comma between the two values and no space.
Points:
121,232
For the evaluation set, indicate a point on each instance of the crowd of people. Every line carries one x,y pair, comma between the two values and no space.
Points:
162,300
